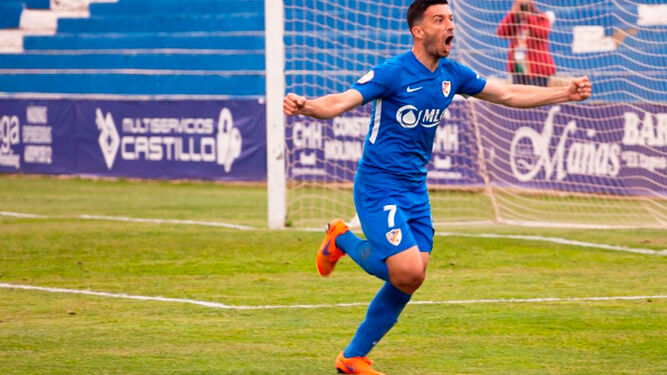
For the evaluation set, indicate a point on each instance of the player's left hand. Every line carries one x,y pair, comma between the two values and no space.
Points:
579,89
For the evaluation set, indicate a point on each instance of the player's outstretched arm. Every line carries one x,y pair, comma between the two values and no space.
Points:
324,107
523,96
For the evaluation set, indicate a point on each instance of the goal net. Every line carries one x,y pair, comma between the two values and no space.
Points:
599,163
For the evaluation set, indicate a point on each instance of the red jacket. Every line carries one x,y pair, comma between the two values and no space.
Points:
540,61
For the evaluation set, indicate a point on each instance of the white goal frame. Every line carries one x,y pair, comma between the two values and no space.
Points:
275,119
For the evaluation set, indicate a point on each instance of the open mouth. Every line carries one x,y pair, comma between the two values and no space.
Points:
449,39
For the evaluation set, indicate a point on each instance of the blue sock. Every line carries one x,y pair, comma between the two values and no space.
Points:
360,251
382,314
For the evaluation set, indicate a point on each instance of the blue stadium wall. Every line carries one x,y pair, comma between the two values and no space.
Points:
216,47
175,88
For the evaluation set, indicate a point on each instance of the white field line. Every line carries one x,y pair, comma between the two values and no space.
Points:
557,240
164,221
321,306
22,215
130,219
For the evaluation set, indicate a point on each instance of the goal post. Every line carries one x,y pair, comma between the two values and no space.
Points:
601,163
275,120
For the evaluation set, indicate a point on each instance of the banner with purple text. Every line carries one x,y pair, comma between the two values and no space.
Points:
328,151
163,139
618,149
601,148
611,148
37,136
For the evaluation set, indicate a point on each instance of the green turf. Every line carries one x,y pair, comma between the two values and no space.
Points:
306,203
148,199
48,333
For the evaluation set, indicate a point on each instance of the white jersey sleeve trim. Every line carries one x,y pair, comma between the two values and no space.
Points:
376,120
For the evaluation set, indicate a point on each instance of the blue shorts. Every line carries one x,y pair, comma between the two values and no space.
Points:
394,221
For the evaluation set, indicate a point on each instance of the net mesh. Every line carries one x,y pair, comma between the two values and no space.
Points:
599,163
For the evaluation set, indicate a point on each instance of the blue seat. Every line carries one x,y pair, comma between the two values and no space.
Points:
245,21
210,60
627,86
108,41
216,47
36,4
649,40
10,14
176,7
204,47
214,83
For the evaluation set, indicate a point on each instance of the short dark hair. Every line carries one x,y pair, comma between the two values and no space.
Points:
417,9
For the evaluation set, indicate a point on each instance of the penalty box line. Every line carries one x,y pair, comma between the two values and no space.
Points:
557,240
130,220
319,306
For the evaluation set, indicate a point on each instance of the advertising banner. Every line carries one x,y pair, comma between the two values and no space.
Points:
328,151
164,139
591,148
605,148
37,136
325,151
455,159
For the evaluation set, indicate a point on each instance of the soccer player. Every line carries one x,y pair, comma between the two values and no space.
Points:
390,191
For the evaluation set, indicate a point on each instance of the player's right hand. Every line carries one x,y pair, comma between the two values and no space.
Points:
293,104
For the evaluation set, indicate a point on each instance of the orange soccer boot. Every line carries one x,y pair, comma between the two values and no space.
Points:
328,254
355,365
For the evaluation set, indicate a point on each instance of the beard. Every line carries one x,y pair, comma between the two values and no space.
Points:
435,46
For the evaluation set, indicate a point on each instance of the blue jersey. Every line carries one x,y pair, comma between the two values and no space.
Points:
409,101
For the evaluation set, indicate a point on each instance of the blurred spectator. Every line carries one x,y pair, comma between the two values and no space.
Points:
529,59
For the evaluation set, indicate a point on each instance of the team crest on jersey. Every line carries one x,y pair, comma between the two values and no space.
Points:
395,236
446,88
366,77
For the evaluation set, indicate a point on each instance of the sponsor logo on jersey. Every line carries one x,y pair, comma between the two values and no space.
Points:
409,116
395,236
413,89
366,77
446,88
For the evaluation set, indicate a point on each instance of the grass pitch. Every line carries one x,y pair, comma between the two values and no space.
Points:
56,333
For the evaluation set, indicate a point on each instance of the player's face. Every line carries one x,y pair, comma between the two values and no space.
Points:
438,28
